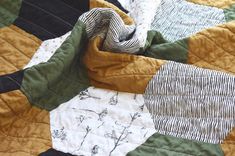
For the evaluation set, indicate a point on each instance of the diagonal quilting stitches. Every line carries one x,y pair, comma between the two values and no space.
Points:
214,46
24,130
16,48
192,103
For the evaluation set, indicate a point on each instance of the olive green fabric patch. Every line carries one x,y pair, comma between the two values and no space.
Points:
49,84
9,10
164,145
159,48
229,13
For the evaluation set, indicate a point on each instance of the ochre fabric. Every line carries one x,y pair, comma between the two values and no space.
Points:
214,48
228,146
17,48
121,72
103,4
24,130
214,3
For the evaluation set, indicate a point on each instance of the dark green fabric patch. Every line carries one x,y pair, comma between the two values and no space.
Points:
9,10
159,48
49,84
163,145
229,13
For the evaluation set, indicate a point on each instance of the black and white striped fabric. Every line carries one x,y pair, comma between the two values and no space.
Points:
192,103
143,13
106,23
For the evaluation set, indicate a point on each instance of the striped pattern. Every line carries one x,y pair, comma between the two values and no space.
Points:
192,103
107,23
177,19
143,12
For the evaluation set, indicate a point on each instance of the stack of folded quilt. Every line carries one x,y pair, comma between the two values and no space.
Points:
115,78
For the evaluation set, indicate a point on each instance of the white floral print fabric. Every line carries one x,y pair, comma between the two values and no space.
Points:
143,12
46,50
101,122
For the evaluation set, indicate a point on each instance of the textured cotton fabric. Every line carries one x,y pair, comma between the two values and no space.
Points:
192,103
101,122
177,19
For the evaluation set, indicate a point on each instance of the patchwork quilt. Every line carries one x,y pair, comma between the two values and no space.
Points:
117,77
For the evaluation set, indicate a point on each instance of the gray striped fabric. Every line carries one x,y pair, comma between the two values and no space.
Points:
108,24
177,19
192,103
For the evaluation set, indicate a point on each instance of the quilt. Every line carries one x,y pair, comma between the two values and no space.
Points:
117,77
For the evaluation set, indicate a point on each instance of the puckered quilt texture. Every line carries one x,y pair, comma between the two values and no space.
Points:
117,77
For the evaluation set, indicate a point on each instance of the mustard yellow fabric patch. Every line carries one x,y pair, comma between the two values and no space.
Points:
24,130
214,48
228,146
17,48
121,72
215,3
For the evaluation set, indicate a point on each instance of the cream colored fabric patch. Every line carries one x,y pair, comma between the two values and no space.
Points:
142,12
46,50
101,122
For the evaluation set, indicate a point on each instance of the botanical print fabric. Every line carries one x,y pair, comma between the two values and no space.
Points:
143,12
101,122
46,50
